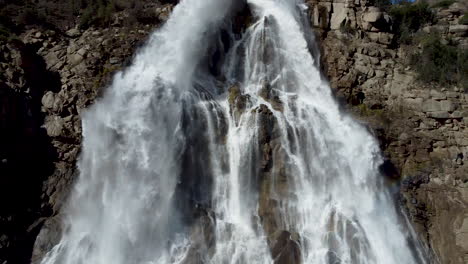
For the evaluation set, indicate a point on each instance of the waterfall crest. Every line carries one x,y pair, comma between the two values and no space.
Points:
223,144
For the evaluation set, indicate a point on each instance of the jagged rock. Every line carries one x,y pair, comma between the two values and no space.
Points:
74,32
439,114
237,102
431,106
338,16
48,100
47,238
372,15
321,15
447,105
54,125
286,248
51,60
75,59
422,112
49,78
458,29
82,52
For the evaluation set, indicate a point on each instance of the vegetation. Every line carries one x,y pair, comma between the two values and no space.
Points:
104,75
63,14
441,62
384,4
366,111
98,13
6,27
463,20
409,18
443,4
438,60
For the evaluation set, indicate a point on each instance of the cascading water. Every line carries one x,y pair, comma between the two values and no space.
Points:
242,159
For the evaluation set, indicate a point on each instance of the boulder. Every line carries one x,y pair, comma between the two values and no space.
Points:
439,114
431,106
286,248
75,59
51,59
338,16
54,125
458,29
74,32
48,100
447,105
48,237
436,95
372,15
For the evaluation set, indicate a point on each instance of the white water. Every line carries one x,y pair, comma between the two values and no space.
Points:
164,146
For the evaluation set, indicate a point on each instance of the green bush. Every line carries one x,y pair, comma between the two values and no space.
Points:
383,3
97,13
441,62
28,16
6,26
443,4
463,20
409,18
4,33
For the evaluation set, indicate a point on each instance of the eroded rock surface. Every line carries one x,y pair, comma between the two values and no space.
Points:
422,128
47,79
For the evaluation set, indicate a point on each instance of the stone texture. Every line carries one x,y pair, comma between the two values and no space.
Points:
422,128
47,78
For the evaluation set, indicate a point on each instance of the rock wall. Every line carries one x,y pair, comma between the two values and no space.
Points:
422,128
47,78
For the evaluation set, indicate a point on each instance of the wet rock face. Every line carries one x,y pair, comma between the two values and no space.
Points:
202,237
422,128
286,248
238,102
274,186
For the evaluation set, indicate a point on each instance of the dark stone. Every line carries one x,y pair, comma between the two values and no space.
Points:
285,248
27,155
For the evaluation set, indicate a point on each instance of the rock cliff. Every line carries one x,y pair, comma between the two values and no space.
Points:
422,127
50,75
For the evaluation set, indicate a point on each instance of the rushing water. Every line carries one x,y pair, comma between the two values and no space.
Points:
190,159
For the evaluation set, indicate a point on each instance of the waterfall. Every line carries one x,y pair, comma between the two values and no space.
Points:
226,146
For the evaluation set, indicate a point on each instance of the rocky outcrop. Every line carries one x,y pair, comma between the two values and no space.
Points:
422,128
48,78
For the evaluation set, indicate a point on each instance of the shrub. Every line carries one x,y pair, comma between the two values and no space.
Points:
97,13
440,62
409,18
463,20
383,3
443,4
6,26
4,33
28,16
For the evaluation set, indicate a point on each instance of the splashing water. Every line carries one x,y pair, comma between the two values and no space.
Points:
245,159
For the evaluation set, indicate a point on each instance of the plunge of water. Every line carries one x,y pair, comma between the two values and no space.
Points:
223,144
